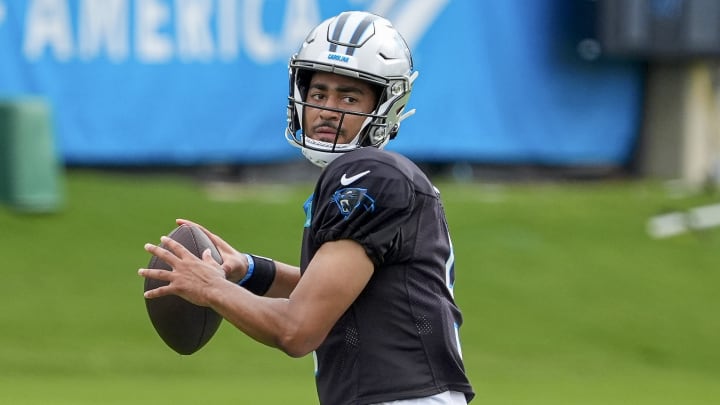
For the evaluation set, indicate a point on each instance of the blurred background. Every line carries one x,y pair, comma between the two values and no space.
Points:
601,87
576,143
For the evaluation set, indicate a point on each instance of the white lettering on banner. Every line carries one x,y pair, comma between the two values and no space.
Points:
101,26
48,25
164,31
300,17
415,17
228,47
3,12
152,46
194,37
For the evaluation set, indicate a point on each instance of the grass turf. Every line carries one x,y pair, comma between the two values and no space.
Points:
566,299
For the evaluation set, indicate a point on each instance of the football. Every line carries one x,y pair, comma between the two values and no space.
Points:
183,326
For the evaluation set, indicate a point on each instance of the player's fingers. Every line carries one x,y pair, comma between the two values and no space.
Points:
216,240
161,253
183,221
175,247
156,274
157,292
207,257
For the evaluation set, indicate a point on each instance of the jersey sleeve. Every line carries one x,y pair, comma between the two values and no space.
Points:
365,201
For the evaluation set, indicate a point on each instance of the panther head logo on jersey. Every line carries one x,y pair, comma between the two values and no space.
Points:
350,199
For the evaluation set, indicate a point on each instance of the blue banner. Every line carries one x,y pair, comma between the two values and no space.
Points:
205,81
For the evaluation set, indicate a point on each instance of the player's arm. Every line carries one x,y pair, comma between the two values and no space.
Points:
298,324
286,279
334,278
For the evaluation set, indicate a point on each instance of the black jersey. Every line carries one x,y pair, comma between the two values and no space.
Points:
399,339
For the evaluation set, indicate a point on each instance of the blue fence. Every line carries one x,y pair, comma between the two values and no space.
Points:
205,81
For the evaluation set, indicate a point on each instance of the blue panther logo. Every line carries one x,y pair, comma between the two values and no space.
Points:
350,199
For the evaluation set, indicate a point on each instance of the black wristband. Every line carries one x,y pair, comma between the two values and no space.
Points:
262,277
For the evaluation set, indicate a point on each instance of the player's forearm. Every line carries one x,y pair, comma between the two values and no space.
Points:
286,278
267,320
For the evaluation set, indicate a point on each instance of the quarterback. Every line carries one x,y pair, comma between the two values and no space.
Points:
372,298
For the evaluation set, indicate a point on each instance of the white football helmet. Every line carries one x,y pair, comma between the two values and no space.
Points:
364,46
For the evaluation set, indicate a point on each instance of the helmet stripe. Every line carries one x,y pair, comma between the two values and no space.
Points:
335,38
358,33
338,31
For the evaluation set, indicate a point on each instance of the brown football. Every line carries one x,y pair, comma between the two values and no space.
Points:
183,326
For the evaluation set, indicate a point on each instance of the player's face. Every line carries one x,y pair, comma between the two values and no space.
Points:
341,92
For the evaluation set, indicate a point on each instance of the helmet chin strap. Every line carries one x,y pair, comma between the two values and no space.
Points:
329,146
322,153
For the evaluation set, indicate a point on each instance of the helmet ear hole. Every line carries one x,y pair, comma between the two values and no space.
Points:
378,135
394,130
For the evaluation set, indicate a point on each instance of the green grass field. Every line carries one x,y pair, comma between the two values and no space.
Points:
565,297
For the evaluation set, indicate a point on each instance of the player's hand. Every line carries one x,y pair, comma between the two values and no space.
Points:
191,278
234,264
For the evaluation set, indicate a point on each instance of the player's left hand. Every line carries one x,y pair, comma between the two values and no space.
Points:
234,263
192,278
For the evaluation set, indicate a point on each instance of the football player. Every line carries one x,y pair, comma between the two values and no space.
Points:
373,297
